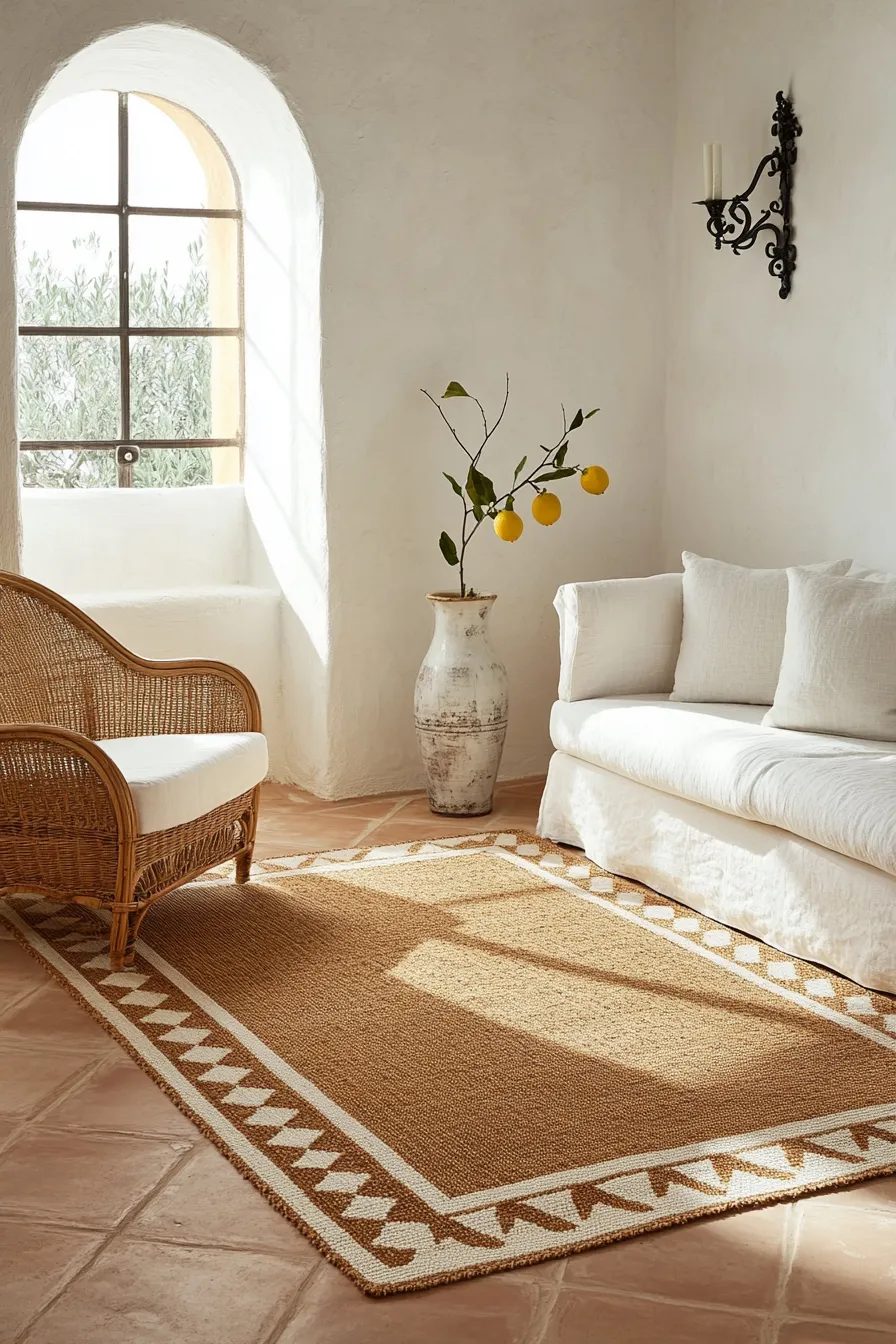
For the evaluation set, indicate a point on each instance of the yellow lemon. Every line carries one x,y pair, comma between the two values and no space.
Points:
595,480
508,525
546,509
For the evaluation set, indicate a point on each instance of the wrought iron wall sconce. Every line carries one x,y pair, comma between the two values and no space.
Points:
730,221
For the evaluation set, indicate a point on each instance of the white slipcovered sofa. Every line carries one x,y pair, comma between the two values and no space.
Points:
788,836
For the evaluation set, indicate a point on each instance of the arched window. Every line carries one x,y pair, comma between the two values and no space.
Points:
130,297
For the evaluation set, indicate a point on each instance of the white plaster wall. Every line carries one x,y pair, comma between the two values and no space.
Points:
110,540
495,180
782,415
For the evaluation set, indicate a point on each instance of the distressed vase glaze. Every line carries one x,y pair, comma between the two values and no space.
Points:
460,708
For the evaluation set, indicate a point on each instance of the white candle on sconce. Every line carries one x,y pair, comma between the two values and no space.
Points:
707,172
717,172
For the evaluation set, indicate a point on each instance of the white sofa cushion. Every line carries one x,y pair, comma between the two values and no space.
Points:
838,672
838,792
619,636
732,634
178,777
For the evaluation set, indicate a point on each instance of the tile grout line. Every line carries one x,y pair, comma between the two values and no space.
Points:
61,1094
107,1238
372,826
22,999
289,1316
778,1313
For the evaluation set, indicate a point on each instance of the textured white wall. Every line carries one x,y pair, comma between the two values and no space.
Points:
495,180
81,541
782,415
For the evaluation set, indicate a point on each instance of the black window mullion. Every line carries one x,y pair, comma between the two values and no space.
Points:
124,298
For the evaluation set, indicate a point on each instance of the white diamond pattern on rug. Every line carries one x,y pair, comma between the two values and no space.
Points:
717,938
185,1035
822,989
224,1073
860,1005
248,1096
686,925
142,998
317,1157
165,1017
295,1138
890,1022
125,979
345,1182
658,912
90,945
781,970
207,1054
275,1116
100,963
369,1206
747,954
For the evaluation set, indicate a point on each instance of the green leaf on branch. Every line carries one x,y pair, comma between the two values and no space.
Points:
479,488
478,513
453,483
519,466
448,548
561,454
454,390
577,420
557,475
509,504
594,412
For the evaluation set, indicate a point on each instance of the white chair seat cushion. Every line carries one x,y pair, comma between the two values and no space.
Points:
839,792
176,777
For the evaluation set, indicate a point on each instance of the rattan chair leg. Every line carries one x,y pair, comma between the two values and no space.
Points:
249,826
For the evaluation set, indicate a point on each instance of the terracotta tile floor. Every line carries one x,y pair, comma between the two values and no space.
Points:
120,1224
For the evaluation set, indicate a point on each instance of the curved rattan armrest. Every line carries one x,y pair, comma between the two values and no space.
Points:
52,776
114,692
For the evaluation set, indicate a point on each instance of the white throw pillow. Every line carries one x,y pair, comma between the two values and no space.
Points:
838,672
619,636
732,634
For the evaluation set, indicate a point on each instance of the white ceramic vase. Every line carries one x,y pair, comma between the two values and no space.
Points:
460,708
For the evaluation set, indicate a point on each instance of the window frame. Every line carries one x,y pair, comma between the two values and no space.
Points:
124,210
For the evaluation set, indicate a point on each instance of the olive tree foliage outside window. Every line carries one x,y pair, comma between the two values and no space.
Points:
129,258
69,388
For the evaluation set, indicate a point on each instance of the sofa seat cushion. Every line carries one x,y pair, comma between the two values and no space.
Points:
177,777
839,792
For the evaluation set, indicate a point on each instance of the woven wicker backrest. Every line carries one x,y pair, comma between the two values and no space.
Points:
52,669
57,668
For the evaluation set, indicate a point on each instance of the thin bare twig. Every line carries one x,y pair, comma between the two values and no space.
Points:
491,431
448,423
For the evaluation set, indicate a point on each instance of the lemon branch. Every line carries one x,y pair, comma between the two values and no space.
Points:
477,495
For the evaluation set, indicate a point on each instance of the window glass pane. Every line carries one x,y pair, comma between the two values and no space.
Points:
173,467
67,269
70,152
184,387
68,468
183,272
69,387
174,160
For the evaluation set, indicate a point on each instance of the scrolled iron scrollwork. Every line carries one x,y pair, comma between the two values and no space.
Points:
731,221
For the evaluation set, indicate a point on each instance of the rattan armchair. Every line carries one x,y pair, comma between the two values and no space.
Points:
68,823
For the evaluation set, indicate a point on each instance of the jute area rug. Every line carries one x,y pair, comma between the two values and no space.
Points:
442,1059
